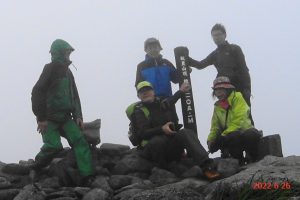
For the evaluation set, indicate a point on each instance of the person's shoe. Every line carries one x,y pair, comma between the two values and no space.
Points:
211,174
209,170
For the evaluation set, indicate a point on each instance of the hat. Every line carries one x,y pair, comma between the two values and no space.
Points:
144,85
222,82
151,41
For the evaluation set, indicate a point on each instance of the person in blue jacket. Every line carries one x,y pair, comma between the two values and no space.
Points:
155,69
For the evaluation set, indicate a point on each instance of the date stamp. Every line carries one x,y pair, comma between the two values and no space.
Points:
285,185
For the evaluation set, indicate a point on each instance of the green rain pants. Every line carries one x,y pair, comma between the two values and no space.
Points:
52,145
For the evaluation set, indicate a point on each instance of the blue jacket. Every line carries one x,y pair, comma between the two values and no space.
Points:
159,72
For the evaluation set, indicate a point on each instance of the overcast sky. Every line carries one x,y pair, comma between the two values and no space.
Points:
108,37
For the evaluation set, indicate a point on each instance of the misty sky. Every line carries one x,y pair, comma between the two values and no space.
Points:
108,37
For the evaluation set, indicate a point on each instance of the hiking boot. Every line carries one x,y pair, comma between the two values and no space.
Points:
209,170
211,174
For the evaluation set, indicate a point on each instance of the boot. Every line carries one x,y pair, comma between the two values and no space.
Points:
209,170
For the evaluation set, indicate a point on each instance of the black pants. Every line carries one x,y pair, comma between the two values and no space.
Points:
163,149
237,142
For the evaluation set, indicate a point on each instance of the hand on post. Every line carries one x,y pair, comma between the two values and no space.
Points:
185,87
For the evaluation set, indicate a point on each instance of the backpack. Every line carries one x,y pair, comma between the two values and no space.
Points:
132,135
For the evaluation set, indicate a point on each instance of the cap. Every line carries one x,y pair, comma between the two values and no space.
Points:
143,85
222,82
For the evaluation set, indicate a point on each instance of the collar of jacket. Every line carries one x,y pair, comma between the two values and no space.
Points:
223,46
150,59
229,100
62,64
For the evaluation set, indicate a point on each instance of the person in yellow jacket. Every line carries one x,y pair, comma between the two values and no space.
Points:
231,128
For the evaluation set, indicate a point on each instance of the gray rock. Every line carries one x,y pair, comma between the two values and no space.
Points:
192,183
132,163
81,191
227,167
119,181
30,192
271,169
270,145
102,171
52,182
113,149
62,193
96,194
65,198
102,183
127,194
17,169
162,177
4,183
168,194
8,194
91,132
195,171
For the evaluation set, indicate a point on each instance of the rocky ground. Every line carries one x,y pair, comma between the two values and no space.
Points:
123,175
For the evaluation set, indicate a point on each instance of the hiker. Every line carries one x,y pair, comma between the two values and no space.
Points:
160,138
158,71
231,128
155,69
56,105
229,61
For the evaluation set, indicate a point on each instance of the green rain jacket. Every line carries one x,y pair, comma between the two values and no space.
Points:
55,96
237,119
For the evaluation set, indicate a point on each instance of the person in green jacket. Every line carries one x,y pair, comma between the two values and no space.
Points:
231,127
56,105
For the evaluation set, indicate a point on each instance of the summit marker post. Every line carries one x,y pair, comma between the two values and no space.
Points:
187,101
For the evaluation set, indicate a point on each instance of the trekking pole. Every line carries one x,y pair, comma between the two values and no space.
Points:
187,101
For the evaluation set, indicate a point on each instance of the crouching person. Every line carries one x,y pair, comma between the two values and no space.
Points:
231,129
159,138
56,104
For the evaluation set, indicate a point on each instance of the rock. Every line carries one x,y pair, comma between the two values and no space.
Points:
96,194
119,181
193,183
26,162
102,183
16,169
161,176
140,175
227,167
168,194
81,191
62,193
113,149
65,198
30,192
52,182
132,163
102,171
195,171
270,145
8,194
4,183
91,132
127,194
64,170
271,169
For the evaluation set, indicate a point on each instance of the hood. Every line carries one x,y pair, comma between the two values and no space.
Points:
57,50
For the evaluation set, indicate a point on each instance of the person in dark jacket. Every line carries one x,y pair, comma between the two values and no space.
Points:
161,139
155,69
56,105
229,61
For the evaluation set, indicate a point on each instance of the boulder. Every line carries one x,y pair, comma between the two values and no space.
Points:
132,163
96,194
